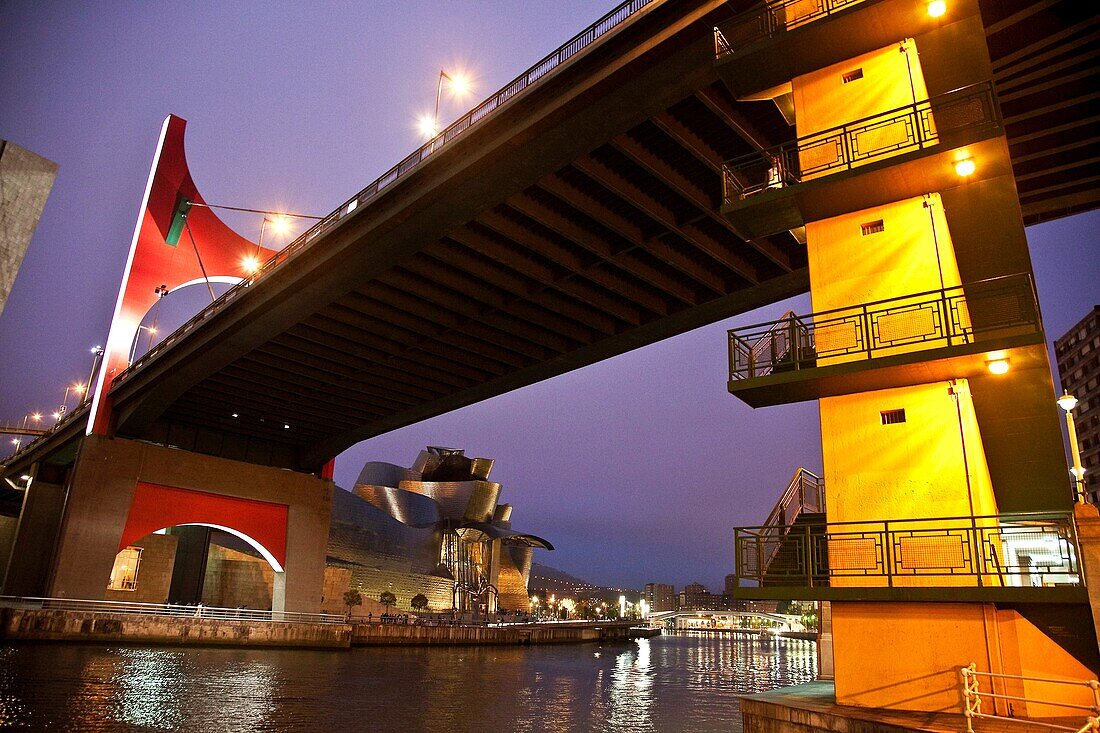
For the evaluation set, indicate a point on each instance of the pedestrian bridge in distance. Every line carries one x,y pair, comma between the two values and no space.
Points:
571,217
729,621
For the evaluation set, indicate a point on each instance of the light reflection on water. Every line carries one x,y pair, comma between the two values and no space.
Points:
684,682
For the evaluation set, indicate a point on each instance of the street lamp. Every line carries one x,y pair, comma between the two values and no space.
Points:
1067,402
279,224
459,85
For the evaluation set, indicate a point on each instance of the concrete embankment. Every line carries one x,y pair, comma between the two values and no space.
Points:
419,635
36,624
31,624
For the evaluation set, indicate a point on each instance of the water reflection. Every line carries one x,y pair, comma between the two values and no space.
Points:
687,682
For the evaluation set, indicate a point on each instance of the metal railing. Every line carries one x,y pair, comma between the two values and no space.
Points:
80,410
978,311
915,126
513,89
764,21
973,696
168,609
1006,550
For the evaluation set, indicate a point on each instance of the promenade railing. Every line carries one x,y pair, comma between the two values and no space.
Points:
510,91
954,316
979,703
1004,550
969,109
168,610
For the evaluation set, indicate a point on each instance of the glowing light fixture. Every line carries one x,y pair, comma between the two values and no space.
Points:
937,8
250,264
965,167
280,224
998,366
426,126
1067,402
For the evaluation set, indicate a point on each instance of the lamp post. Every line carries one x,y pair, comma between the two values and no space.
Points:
1067,402
97,357
459,84
280,224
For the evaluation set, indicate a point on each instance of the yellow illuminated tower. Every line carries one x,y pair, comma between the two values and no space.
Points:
942,533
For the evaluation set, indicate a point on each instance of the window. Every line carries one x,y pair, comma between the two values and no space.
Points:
124,573
872,227
852,75
892,417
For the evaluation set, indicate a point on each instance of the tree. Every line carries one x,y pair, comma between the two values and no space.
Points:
387,599
419,602
352,597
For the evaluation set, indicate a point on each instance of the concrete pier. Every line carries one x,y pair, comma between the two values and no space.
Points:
812,708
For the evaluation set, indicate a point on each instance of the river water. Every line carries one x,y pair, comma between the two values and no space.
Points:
684,682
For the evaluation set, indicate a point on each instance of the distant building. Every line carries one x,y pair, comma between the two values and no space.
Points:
25,183
697,597
1078,355
660,596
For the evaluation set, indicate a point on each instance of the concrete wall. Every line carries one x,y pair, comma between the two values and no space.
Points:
40,625
102,487
35,538
237,580
824,100
930,642
154,576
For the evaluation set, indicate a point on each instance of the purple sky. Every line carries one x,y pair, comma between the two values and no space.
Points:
635,468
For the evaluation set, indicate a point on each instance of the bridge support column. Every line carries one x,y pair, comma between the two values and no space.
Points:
204,490
1087,518
278,592
33,547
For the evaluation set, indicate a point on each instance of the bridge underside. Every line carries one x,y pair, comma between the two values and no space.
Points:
573,225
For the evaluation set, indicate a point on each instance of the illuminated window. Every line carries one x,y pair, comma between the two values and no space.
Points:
124,573
872,227
852,75
892,417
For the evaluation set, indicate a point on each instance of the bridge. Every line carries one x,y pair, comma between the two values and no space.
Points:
691,620
570,217
584,210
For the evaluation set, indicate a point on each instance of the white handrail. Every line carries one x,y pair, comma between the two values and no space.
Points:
973,696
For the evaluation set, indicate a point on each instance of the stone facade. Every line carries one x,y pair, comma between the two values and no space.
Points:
25,183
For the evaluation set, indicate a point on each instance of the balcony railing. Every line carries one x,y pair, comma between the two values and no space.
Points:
938,318
916,126
764,21
613,19
1007,550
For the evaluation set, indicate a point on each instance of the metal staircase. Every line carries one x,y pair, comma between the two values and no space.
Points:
800,510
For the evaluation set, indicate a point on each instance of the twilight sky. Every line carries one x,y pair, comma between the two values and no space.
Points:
636,468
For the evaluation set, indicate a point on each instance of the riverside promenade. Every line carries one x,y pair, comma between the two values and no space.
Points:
64,620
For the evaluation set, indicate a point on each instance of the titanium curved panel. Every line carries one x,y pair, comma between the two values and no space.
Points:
452,496
379,473
483,502
412,509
